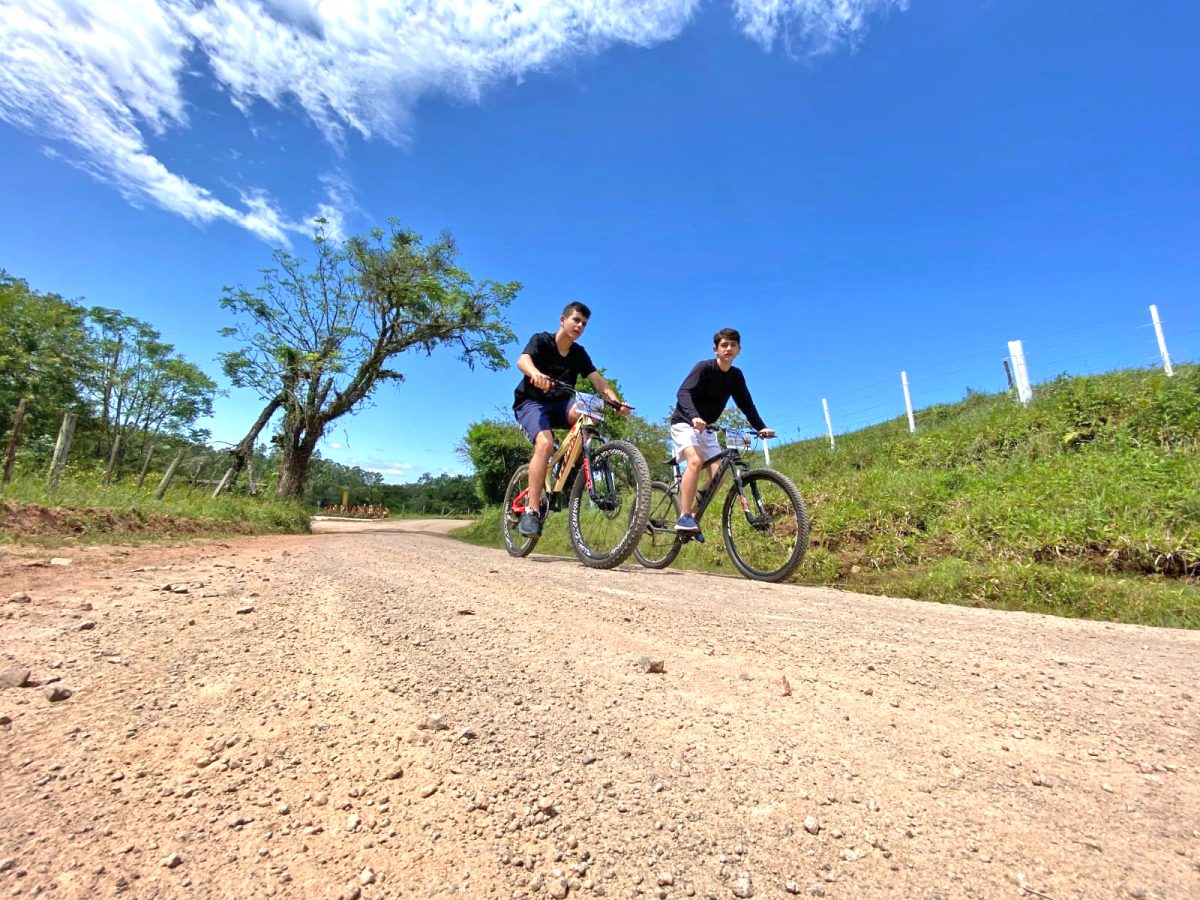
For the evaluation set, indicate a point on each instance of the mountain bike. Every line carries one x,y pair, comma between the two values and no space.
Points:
605,486
764,521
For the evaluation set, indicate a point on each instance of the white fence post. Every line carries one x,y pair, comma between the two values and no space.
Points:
1020,372
828,423
1162,341
912,423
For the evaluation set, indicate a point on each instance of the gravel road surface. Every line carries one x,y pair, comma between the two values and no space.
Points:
397,714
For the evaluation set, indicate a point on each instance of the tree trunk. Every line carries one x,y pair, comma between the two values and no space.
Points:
293,467
245,447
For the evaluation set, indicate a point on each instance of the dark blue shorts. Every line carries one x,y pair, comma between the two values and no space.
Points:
535,416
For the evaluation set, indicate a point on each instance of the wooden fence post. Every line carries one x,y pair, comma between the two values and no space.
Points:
166,479
224,482
13,440
111,468
145,465
62,447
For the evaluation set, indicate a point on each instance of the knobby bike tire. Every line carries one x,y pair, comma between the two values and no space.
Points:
770,548
661,543
516,543
612,531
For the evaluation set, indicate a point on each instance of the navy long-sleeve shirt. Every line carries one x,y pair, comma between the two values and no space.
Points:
707,389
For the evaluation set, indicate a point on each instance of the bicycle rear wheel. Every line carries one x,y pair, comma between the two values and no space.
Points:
515,496
660,544
766,534
607,521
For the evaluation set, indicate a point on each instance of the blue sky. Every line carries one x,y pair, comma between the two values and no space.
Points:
860,186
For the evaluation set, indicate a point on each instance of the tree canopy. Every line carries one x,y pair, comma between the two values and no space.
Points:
319,337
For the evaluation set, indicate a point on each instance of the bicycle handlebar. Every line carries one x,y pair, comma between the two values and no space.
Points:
573,389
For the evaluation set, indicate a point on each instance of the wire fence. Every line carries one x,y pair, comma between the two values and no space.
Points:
1086,348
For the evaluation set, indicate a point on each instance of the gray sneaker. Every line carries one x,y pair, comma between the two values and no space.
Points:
530,524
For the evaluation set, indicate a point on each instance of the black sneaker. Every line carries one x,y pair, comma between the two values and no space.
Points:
530,524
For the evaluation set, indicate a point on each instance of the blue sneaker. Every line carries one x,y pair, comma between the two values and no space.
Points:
686,523
530,524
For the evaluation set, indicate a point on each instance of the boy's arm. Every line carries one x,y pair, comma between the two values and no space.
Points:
605,390
741,396
684,396
530,371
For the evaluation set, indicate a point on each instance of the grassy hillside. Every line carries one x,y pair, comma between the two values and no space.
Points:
1084,504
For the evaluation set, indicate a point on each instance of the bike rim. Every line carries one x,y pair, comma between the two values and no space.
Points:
606,511
764,537
660,536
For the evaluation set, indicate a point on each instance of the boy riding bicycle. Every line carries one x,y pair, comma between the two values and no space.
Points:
700,401
541,406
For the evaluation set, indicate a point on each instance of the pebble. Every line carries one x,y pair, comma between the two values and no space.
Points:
428,790
811,825
54,693
652,665
20,597
243,610
366,876
171,860
14,676
85,625
743,887
59,561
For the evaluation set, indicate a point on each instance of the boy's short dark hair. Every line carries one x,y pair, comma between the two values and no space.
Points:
576,306
730,334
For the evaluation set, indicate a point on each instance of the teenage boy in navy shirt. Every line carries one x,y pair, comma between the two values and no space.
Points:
541,406
700,401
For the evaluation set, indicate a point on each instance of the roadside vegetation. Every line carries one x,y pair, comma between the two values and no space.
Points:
1082,504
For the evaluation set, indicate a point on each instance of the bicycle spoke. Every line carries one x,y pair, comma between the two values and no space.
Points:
660,544
608,519
766,537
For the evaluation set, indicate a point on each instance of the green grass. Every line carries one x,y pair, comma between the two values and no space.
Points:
1083,504
83,509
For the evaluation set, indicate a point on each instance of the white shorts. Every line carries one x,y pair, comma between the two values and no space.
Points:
684,435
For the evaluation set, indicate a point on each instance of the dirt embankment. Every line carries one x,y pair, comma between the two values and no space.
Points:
398,714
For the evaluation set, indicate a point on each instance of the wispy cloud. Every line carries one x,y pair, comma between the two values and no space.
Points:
808,26
100,77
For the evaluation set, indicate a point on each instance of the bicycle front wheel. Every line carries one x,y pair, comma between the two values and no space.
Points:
515,497
661,543
765,526
607,513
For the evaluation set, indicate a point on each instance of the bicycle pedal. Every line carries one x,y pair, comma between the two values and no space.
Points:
697,536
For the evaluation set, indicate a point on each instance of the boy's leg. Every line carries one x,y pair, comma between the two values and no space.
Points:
690,480
694,447
537,420
543,448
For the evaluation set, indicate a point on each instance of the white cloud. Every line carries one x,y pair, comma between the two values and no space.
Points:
813,26
98,76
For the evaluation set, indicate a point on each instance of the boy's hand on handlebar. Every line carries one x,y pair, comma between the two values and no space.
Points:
766,433
624,409
699,424
540,381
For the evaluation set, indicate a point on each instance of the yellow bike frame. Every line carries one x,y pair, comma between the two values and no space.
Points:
568,455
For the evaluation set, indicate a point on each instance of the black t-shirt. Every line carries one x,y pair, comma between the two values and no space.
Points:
544,352
707,389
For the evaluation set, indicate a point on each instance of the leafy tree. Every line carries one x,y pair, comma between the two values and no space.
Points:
43,351
137,383
317,340
495,448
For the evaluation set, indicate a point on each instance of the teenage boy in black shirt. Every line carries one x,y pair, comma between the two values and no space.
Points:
701,400
541,406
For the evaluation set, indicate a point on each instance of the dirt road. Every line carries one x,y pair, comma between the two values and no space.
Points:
401,715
